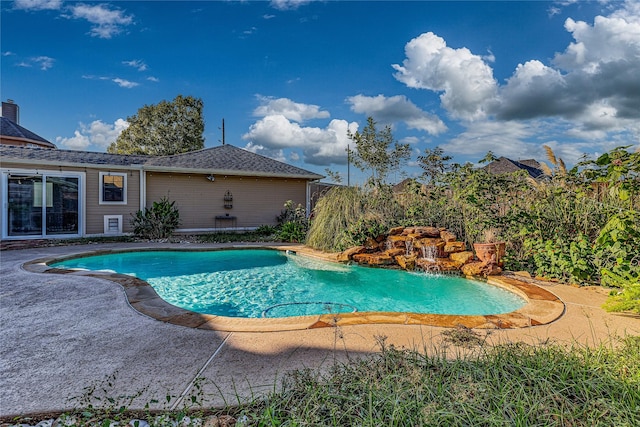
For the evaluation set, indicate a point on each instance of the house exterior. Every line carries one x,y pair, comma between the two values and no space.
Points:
11,133
505,165
49,193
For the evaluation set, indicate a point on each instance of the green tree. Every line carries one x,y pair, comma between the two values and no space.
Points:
163,129
377,151
434,163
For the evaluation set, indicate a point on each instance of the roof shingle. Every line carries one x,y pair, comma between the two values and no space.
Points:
14,130
225,159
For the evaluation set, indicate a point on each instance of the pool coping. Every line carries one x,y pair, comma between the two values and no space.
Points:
543,307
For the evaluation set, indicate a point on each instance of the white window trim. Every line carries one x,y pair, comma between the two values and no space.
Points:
100,188
44,173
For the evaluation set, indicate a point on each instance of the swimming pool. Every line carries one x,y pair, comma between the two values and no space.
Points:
253,283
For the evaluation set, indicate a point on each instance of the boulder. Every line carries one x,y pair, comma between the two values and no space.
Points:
428,231
395,231
373,259
372,244
394,252
348,254
452,247
406,262
397,241
480,269
440,264
461,257
447,236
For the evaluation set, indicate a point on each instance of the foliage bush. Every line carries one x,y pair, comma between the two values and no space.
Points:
579,226
157,222
293,223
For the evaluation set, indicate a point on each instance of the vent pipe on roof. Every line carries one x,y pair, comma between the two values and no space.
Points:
11,111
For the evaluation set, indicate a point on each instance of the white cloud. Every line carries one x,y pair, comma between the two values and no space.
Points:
320,146
78,141
274,154
44,62
290,110
137,64
153,79
37,4
503,139
288,4
97,135
465,79
396,108
106,22
609,39
124,83
595,85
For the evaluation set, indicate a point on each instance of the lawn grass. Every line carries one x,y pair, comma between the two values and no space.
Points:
512,384
505,385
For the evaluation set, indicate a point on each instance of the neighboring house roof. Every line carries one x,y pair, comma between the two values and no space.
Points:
224,160
10,130
505,165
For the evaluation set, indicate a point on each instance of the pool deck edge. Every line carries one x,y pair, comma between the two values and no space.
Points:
543,307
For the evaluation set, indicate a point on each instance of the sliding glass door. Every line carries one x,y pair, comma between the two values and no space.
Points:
25,208
42,205
62,205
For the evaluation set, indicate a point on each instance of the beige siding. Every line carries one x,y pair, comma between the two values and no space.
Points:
96,211
94,214
256,201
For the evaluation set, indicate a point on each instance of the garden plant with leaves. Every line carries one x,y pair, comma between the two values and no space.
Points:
157,222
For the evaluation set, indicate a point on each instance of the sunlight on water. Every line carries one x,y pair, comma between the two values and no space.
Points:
245,283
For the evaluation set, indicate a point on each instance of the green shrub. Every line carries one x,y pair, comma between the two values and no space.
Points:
293,223
358,232
291,231
157,222
266,230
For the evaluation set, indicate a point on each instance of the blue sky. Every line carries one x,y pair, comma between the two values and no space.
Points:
290,77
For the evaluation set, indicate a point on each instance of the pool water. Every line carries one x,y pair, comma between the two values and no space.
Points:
268,283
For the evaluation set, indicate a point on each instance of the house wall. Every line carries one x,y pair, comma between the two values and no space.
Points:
94,211
256,201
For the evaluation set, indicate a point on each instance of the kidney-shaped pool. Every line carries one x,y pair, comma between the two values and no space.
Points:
254,283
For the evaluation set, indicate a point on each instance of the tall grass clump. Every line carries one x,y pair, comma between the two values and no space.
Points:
506,385
334,213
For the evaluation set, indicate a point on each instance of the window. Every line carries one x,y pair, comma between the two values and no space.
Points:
113,188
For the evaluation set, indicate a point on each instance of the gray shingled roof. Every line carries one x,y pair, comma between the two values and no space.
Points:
505,165
227,158
67,157
224,159
14,130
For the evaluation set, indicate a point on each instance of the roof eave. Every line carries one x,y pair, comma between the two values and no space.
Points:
230,172
43,143
38,162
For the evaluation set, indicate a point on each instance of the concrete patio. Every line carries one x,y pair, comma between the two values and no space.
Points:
61,335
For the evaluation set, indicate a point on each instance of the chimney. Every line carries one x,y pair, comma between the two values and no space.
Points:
11,111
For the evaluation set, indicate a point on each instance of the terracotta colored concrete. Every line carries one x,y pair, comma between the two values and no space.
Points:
61,333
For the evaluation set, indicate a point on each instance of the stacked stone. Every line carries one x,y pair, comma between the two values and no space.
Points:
407,248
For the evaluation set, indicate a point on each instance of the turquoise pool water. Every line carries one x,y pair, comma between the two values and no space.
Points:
267,283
